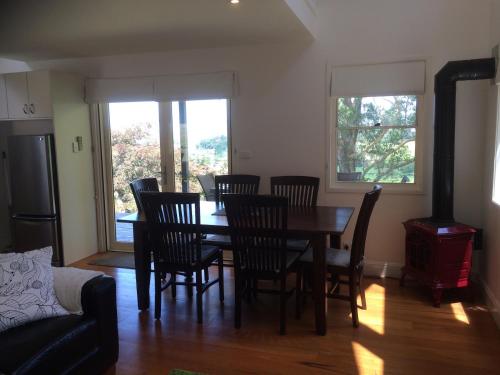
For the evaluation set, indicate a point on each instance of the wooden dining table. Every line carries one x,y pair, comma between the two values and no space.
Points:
316,224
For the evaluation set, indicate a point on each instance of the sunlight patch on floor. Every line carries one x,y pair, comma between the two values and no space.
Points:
459,312
366,361
374,316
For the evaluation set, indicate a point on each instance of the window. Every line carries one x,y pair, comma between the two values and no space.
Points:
374,141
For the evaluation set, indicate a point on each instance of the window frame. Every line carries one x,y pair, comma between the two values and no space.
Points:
335,186
495,188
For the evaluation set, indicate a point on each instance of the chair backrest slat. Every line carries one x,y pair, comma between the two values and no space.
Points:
173,220
258,227
235,184
301,191
140,185
361,229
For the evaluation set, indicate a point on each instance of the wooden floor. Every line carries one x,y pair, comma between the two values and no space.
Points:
399,333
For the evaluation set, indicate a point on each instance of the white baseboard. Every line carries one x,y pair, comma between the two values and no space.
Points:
492,302
382,269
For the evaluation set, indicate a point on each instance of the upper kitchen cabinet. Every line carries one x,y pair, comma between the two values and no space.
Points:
39,94
28,95
3,99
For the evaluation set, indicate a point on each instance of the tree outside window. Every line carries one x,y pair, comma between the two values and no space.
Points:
375,139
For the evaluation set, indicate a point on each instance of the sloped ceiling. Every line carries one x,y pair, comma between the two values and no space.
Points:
39,30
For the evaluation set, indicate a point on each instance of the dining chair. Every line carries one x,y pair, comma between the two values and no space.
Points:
258,227
173,221
207,183
140,185
144,185
300,191
236,184
344,263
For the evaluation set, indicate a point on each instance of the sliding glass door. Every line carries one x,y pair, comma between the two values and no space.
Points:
180,143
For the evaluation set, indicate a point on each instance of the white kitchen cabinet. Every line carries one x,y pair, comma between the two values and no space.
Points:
40,102
4,114
28,95
17,95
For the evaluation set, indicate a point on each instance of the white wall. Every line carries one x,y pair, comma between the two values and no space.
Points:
491,215
75,170
280,113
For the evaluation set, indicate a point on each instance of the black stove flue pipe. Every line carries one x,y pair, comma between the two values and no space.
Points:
445,88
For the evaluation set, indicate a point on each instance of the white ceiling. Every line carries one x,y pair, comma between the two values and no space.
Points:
49,29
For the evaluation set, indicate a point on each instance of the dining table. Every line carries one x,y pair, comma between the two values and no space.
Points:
316,224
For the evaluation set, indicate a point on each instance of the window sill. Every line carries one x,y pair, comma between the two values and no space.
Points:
363,187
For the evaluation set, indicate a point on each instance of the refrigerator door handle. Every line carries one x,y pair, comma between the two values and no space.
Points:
33,218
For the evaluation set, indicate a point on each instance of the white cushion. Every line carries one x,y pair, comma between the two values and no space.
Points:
68,284
27,288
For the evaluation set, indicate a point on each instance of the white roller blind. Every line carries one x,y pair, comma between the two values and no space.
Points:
162,88
379,79
195,86
110,90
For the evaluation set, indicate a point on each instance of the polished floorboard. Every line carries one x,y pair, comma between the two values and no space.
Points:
399,333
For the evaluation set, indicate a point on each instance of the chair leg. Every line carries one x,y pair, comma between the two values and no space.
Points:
353,299
298,293
199,296
220,265
255,287
362,289
283,299
173,286
189,284
207,276
157,294
237,302
248,290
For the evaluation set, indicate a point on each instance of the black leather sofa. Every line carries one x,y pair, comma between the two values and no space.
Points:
73,344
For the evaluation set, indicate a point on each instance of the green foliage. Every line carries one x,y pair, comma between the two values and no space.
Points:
214,160
135,154
217,144
376,138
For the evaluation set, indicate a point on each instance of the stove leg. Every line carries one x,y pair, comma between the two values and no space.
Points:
436,296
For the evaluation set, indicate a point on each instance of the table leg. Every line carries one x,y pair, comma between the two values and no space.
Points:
142,259
335,241
319,283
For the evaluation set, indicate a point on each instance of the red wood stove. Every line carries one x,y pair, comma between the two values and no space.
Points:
438,249
438,256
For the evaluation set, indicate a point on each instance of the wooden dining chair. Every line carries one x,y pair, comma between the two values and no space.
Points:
173,221
207,183
300,191
140,185
345,263
236,184
258,227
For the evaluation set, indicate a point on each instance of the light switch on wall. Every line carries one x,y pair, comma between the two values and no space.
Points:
77,144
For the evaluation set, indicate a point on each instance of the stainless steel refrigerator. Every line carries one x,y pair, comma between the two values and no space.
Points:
33,194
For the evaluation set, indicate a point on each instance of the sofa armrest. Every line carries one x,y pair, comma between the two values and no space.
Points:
99,303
